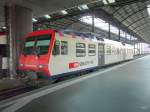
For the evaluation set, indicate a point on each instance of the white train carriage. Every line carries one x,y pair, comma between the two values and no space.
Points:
53,53
117,52
3,49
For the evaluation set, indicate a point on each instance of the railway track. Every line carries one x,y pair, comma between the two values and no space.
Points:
14,92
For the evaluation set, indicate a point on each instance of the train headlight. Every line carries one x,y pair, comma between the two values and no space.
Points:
21,65
40,66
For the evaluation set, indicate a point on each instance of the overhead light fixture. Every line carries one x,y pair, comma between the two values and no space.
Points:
4,27
64,12
108,1
47,16
148,9
105,2
111,1
34,20
83,7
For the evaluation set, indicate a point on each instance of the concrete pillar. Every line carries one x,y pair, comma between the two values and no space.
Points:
19,23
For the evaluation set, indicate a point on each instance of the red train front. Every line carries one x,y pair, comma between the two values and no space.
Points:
37,51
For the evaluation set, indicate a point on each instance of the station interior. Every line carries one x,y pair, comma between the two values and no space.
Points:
75,56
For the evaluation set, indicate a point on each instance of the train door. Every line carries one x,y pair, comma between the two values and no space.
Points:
101,55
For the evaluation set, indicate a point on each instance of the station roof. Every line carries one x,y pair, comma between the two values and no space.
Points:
129,15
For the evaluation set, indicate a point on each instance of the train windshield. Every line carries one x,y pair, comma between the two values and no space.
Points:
37,45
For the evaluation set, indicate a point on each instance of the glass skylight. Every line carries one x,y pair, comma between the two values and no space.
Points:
83,7
98,22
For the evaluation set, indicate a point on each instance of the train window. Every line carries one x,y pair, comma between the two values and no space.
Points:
29,44
113,50
56,48
64,47
3,50
42,44
92,50
37,44
80,50
101,49
108,50
118,52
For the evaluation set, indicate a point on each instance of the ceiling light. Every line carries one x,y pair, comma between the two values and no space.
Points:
4,27
83,7
34,20
108,1
47,16
148,9
111,1
64,12
105,2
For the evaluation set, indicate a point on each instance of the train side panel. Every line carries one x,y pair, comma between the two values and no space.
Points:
72,61
117,52
130,52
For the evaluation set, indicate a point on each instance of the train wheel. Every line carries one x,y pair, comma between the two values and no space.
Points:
35,81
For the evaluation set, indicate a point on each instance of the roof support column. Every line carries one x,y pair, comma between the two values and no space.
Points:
109,33
93,22
125,37
19,23
134,47
119,35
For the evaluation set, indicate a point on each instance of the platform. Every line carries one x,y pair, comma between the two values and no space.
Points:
7,83
123,88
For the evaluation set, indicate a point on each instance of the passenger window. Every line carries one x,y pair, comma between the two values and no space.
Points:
56,48
64,47
92,50
80,50
3,49
101,49
113,50
118,52
109,50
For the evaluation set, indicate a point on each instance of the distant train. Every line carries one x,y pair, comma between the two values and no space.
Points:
51,53
3,53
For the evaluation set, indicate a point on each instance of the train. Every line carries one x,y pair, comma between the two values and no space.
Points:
3,53
52,54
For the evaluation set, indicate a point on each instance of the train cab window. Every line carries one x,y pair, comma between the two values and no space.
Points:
42,44
80,50
64,47
29,45
37,45
92,50
56,48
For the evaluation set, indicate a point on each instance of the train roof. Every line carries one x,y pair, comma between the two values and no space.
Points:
86,35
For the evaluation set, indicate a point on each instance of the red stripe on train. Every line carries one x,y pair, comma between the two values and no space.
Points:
74,65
